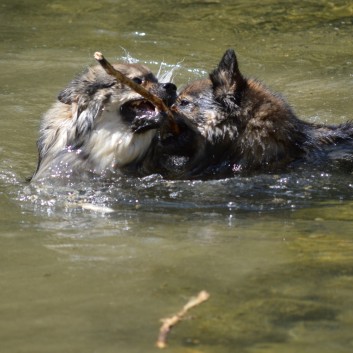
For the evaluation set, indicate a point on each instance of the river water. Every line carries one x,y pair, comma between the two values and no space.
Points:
93,267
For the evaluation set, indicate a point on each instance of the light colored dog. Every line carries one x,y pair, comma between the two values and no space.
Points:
100,126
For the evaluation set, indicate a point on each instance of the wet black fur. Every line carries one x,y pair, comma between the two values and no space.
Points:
230,124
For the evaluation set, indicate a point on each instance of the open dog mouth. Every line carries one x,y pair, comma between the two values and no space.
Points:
138,108
141,114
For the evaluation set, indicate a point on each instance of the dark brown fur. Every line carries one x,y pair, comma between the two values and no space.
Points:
231,124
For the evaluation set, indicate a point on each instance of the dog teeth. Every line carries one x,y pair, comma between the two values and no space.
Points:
136,104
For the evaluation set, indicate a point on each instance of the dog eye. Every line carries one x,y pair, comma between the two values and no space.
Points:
184,102
137,80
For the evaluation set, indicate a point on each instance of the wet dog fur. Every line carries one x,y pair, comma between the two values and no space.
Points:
231,124
99,126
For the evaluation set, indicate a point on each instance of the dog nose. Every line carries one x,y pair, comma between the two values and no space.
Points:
170,87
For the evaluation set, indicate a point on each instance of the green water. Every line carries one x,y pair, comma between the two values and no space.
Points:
275,252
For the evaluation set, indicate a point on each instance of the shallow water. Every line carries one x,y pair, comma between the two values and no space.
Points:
93,266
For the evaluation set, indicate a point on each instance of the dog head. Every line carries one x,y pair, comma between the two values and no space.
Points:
205,111
99,123
229,124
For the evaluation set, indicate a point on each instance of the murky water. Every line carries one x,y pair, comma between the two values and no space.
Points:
92,266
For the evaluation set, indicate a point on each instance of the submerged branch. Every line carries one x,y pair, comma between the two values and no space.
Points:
169,322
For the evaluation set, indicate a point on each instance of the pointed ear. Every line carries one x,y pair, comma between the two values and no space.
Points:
226,78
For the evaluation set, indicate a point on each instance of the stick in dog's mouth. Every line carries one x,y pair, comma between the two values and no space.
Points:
156,101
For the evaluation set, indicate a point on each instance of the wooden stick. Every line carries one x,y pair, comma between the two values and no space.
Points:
156,101
169,322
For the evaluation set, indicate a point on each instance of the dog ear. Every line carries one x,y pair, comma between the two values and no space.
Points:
87,94
73,91
226,79
85,112
87,100
67,96
86,85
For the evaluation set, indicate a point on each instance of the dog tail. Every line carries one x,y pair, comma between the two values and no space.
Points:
334,134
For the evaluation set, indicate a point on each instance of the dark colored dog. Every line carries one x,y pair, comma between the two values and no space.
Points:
100,126
230,124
